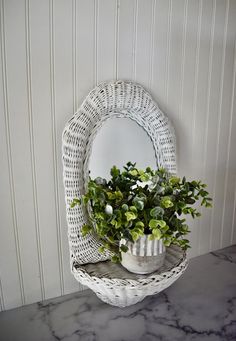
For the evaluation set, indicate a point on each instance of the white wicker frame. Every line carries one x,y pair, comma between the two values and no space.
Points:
113,99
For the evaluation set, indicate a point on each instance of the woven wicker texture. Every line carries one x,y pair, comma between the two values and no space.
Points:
118,99
111,282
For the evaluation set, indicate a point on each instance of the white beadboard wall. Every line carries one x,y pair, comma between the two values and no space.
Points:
52,53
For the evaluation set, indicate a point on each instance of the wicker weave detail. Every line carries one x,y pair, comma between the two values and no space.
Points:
115,285
114,99
111,282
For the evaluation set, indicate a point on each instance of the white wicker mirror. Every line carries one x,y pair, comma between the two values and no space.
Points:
111,282
115,99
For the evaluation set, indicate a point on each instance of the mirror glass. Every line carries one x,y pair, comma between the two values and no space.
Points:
118,141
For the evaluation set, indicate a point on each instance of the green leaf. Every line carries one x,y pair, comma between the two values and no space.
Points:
118,195
167,242
111,196
101,249
153,223
133,209
99,215
133,172
125,207
157,212
166,202
100,181
115,259
115,172
75,202
116,223
144,177
124,248
174,180
85,230
139,225
157,233
130,216
151,237
85,199
135,235
139,204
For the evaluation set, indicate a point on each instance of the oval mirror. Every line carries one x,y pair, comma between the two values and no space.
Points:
118,141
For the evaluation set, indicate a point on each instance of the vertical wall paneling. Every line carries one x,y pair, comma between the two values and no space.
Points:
74,54
224,124
53,52
11,282
134,42
125,39
63,102
176,37
184,132
41,129
2,305
200,103
21,144
143,42
183,57
32,149
116,52
85,40
228,215
151,56
221,141
168,37
194,230
213,113
160,52
204,229
106,40
52,44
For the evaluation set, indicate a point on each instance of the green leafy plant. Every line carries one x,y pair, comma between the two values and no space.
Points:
135,202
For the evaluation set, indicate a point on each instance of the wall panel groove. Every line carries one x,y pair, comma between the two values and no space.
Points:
96,4
168,49
116,38
9,157
32,152
2,304
232,112
218,243
196,71
209,81
135,24
54,144
183,47
152,39
74,55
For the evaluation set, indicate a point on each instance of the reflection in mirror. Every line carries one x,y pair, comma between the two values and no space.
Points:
118,141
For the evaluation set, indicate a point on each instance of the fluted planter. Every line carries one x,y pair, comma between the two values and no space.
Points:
143,256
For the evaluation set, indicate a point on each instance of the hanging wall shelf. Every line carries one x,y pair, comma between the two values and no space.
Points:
111,282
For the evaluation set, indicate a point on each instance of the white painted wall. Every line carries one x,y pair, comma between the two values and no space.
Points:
52,53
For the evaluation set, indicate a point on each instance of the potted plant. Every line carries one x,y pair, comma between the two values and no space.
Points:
138,213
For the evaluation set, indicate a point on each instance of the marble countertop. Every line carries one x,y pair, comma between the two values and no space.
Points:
201,305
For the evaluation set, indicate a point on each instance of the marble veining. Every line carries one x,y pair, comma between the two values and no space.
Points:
201,305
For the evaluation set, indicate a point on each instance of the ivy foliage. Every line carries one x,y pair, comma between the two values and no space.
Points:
135,202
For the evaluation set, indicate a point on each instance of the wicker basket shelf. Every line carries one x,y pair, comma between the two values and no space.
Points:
111,282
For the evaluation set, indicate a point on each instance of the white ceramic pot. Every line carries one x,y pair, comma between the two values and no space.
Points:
143,256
